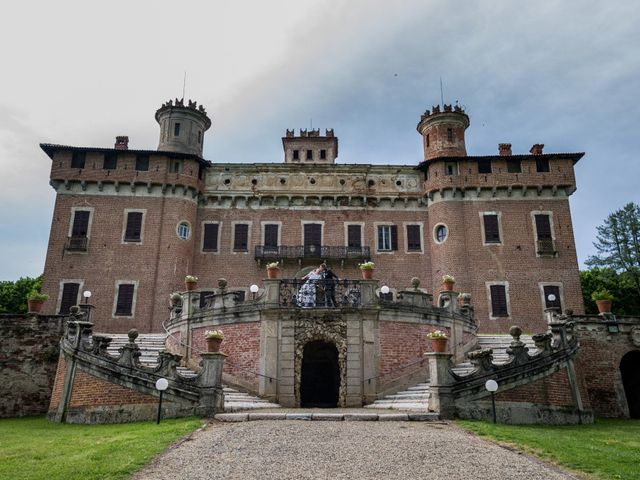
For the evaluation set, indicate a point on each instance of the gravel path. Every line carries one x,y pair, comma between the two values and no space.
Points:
341,450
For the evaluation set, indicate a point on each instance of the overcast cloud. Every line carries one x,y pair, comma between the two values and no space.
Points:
562,73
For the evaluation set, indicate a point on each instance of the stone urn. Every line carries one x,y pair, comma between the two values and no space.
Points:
367,273
213,344
273,272
439,345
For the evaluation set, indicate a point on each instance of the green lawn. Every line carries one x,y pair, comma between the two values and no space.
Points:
608,449
34,448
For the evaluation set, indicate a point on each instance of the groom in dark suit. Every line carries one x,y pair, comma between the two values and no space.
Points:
329,280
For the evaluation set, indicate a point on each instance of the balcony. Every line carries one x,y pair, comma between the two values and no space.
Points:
546,247
313,252
320,293
76,244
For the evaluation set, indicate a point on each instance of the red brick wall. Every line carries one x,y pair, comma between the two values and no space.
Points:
58,384
92,391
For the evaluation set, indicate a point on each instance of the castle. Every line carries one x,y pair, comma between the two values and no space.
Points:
128,225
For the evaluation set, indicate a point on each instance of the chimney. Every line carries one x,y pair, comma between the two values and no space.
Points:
504,149
122,143
537,149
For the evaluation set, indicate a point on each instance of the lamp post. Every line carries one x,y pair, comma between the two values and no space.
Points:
492,387
254,289
87,295
384,290
161,385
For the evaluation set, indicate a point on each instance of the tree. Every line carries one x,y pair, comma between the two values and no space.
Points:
626,300
618,243
13,295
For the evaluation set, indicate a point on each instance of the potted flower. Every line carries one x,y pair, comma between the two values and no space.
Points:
273,269
214,339
438,340
35,300
603,299
447,282
190,282
367,269
175,298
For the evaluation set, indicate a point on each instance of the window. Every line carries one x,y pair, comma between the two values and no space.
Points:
414,240
451,168
354,237
110,161
387,238
544,235
142,163
205,297
450,134
309,154
69,297
241,237
542,165
124,302
271,236
312,239
176,166
77,159
427,139
499,301
514,165
484,165
133,230
183,230
80,227
323,154
296,155
440,233
491,225
176,129
554,290
210,240
199,136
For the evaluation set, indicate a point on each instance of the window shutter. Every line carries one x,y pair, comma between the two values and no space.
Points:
394,237
241,236
413,238
125,299
499,301
354,236
491,229
543,227
210,241
552,290
271,235
80,224
134,227
69,297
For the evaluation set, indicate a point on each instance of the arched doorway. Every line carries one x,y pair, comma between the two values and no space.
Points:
320,375
630,371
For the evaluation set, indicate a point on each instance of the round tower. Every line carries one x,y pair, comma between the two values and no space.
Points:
443,132
182,127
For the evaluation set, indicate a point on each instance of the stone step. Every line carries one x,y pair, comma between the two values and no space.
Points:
339,416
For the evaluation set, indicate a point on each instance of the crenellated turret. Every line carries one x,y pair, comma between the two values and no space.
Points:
443,131
182,127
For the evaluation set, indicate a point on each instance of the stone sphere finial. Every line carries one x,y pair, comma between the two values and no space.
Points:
415,283
515,332
133,334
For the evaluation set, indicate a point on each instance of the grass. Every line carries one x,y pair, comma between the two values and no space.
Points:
34,448
608,449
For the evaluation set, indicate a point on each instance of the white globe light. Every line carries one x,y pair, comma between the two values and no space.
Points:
162,384
491,385
86,294
551,297
254,288
384,290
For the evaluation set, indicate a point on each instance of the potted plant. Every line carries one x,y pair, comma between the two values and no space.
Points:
447,282
190,282
367,269
214,339
35,300
273,269
175,298
603,299
438,341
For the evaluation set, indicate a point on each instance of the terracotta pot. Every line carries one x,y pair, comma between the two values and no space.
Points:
35,305
190,285
272,272
447,286
213,344
604,306
367,273
439,344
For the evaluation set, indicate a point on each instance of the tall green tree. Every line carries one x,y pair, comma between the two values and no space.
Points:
626,300
13,295
618,243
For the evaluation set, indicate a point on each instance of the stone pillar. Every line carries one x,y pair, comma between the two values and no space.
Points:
271,291
210,383
369,360
268,387
368,292
441,399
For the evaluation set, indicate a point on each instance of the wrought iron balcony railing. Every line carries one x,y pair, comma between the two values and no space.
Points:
77,244
546,247
320,293
264,252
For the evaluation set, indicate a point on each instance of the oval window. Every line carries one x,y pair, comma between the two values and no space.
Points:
184,230
440,233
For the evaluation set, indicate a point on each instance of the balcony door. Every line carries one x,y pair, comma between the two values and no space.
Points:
312,239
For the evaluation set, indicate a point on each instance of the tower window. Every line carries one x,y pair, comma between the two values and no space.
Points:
451,168
514,166
296,155
199,136
387,238
323,154
176,166
484,165
124,301
110,161
491,228
309,154
184,230
142,163
241,237
77,160
414,239
542,165
440,233
499,306
133,230
210,240
176,129
450,134
428,143
69,297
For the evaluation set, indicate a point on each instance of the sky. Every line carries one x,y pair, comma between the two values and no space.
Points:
562,73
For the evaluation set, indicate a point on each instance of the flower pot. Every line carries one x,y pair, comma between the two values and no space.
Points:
35,305
439,345
272,272
367,273
447,286
604,306
190,285
213,344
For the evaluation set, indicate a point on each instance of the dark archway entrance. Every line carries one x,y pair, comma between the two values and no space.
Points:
630,371
320,375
